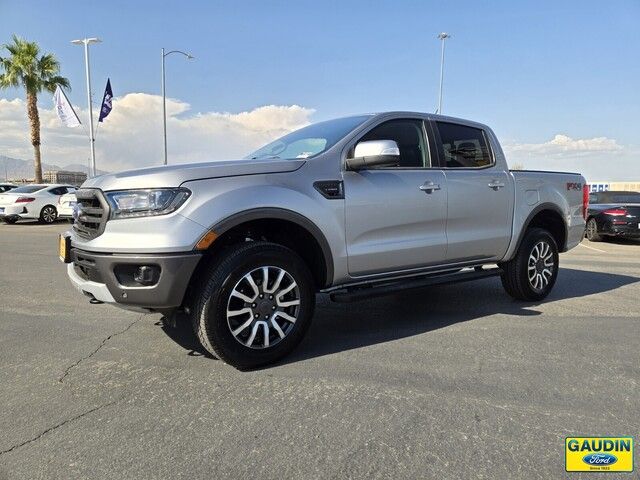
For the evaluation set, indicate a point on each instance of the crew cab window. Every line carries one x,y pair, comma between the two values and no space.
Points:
462,146
409,136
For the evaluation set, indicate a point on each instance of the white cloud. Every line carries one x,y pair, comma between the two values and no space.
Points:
565,146
131,136
597,158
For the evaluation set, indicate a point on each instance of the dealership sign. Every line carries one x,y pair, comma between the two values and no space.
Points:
598,454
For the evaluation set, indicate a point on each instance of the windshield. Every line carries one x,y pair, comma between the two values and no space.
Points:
617,197
28,189
626,198
309,141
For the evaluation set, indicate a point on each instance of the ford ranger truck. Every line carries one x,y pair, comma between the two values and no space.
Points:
354,208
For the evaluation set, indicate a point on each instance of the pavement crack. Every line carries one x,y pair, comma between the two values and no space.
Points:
51,429
97,349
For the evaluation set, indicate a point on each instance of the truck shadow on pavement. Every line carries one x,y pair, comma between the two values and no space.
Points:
339,327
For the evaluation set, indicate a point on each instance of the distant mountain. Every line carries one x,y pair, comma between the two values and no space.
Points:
16,169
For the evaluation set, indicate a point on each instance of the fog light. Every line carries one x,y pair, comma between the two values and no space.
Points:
147,274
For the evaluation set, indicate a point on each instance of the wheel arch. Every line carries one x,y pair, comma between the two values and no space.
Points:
282,226
549,217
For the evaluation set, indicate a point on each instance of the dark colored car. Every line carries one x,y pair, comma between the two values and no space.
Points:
615,214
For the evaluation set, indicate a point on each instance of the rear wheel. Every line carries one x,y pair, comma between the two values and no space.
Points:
532,273
48,214
254,305
592,231
10,220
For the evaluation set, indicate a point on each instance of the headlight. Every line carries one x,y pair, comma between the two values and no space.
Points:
145,203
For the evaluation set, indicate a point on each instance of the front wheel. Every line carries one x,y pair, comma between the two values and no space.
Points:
254,305
48,214
10,220
532,273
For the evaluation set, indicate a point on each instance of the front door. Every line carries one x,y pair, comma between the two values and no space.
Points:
396,216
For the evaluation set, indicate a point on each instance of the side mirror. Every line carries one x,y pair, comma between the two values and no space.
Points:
374,153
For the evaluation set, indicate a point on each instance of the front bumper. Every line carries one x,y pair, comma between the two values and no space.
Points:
107,278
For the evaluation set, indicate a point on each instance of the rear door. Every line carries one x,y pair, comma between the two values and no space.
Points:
391,222
480,193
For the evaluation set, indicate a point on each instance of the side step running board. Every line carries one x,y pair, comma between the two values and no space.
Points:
355,294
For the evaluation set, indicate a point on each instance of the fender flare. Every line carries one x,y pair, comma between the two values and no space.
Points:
266,213
536,211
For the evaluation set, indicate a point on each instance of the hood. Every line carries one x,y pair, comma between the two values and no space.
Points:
175,175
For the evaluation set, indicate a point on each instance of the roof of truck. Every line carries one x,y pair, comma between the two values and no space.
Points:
430,116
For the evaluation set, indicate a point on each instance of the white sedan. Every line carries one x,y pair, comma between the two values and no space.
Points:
32,201
66,203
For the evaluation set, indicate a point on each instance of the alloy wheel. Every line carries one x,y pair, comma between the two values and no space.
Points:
48,214
263,307
540,266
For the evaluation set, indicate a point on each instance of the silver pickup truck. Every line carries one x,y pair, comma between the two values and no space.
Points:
354,207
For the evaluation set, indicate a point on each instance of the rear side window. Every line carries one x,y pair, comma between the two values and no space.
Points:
28,189
462,146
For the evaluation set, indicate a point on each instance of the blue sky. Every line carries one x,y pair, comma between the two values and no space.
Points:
531,70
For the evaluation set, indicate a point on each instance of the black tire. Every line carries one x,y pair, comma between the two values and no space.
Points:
10,220
516,272
212,296
48,214
592,231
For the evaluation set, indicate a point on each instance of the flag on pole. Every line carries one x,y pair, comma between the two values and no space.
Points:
64,110
106,102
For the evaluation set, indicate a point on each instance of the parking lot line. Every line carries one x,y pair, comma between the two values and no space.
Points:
592,248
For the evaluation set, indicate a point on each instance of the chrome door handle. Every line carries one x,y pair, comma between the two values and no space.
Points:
496,185
429,187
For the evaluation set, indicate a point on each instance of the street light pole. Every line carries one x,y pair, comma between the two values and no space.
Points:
442,36
86,42
164,111
164,97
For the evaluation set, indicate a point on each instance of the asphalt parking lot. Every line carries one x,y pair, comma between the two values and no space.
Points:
454,381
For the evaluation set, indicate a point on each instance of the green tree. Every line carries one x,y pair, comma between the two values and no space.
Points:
25,67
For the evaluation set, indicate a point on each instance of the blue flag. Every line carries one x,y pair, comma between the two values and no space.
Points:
106,102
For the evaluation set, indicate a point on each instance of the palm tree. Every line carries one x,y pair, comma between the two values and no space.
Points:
25,67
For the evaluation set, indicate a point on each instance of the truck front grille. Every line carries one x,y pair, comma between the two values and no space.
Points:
93,212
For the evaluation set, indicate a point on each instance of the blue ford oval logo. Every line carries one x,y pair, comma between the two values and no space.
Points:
599,459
